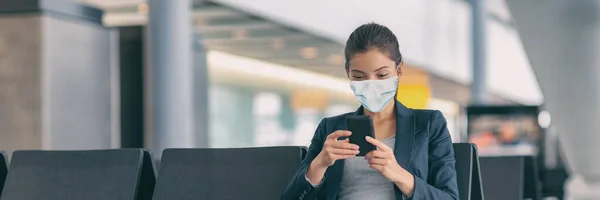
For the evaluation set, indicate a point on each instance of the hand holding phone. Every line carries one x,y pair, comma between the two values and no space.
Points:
361,127
334,149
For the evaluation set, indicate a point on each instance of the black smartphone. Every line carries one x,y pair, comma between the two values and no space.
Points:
361,126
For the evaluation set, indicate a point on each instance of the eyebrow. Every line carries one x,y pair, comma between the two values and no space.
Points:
356,70
381,68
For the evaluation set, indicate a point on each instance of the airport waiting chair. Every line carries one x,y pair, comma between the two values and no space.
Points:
304,152
511,177
147,178
467,171
3,169
553,181
503,177
75,175
532,188
239,173
477,184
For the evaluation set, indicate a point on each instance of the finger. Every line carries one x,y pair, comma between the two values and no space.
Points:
337,134
380,154
377,167
345,145
380,145
343,151
378,161
339,157
377,154
372,154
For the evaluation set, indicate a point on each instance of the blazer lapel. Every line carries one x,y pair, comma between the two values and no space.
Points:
405,131
334,174
334,178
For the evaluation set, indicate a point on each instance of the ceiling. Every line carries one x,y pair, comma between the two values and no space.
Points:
222,28
228,30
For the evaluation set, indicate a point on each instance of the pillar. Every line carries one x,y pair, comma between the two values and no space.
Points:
58,88
131,81
171,110
478,84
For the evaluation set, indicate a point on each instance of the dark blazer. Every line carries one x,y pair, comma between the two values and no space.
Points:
423,147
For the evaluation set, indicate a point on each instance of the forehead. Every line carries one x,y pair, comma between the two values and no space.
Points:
370,60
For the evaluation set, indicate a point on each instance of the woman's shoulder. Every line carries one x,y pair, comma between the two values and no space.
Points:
429,119
427,113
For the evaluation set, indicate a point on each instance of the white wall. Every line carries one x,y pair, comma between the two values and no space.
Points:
433,34
509,71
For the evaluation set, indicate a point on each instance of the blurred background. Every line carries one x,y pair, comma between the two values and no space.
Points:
514,77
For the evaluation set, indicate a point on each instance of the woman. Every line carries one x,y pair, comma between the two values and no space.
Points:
414,157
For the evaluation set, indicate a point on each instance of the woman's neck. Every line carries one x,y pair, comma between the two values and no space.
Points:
387,113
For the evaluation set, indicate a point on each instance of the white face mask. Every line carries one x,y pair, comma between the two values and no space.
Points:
374,95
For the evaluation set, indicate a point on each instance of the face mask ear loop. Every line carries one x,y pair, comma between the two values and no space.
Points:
396,93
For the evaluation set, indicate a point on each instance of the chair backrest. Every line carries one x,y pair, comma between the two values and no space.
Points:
477,183
464,169
304,152
241,173
147,178
502,177
3,169
74,175
467,171
532,188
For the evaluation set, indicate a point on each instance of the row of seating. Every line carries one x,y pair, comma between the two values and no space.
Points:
129,174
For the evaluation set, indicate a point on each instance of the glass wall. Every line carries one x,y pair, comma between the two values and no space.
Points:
246,117
279,105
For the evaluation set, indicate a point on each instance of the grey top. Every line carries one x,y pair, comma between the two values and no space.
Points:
360,181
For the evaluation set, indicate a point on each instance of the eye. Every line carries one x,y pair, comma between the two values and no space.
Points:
358,77
382,75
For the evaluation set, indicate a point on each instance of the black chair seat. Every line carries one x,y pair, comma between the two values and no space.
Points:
242,173
74,175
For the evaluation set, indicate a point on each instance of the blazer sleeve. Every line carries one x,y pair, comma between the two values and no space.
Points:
299,188
441,183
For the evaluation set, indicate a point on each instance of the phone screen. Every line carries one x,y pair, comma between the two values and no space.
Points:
361,126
